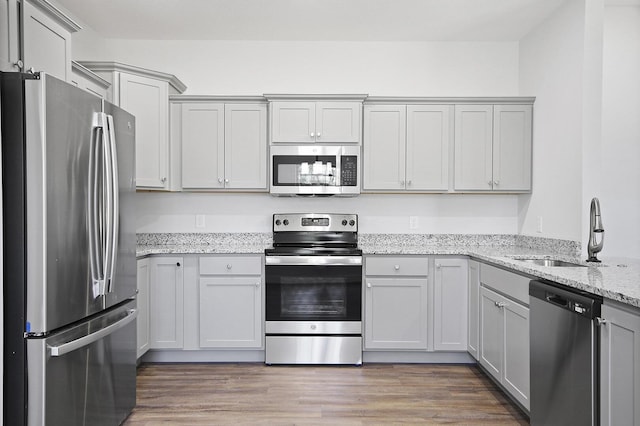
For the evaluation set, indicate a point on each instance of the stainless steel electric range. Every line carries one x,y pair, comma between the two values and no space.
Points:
314,290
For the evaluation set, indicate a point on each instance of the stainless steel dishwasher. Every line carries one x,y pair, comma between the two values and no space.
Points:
564,351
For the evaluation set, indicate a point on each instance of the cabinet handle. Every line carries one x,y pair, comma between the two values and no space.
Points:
368,285
229,266
601,321
500,304
178,264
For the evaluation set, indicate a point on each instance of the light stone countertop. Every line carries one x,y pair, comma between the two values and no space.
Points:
615,278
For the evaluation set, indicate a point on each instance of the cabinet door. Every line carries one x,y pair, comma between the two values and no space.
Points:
245,141
384,147
516,351
166,300
202,146
143,306
338,122
147,100
474,308
9,35
396,313
428,141
473,140
46,43
230,312
512,147
491,332
293,122
620,367
450,305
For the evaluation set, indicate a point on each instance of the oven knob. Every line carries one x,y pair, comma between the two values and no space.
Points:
278,222
285,222
344,222
352,222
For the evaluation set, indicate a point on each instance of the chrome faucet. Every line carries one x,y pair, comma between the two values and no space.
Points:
595,228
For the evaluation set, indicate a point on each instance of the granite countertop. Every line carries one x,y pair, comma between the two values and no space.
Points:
615,278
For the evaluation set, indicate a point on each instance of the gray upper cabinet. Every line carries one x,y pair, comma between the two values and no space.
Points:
315,118
10,58
46,44
493,147
145,94
221,143
620,365
407,147
89,81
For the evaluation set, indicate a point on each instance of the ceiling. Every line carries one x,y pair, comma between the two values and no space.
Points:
313,20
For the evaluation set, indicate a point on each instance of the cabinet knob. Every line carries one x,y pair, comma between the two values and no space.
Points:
226,181
19,64
401,182
319,135
258,284
312,134
496,182
438,265
178,264
163,180
396,267
220,180
490,182
408,182
601,321
368,285
500,304
228,266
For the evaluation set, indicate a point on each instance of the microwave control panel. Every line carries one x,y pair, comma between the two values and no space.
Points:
349,170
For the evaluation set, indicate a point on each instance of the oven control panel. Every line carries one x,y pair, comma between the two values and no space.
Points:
315,222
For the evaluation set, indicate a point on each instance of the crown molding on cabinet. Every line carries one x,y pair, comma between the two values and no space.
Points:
55,13
89,75
418,100
111,66
218,98
315,97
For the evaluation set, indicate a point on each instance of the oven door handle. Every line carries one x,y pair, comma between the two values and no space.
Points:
315,260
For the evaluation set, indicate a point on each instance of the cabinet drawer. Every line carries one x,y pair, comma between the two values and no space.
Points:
231,265
397,265
509,283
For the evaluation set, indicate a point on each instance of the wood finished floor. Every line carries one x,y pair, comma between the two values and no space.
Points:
378,394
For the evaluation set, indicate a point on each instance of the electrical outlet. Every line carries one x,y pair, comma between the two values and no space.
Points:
413,222
539,224
200,223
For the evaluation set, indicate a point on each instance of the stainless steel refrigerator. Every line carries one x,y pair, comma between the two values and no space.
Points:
69,254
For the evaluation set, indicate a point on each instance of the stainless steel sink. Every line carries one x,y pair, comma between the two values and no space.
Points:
553,263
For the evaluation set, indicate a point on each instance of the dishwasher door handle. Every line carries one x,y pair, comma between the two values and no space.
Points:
557,300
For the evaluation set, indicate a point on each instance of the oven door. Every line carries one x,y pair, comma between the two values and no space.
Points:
325,291
315,170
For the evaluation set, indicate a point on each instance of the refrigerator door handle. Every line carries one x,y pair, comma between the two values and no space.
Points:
112,204
65,348
94,207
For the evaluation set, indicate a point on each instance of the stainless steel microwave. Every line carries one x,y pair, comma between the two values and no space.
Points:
315,170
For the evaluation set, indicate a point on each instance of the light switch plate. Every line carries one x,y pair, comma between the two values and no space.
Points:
413,222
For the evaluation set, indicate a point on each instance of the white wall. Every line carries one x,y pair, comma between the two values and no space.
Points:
551,68
175,212
375,68
620,198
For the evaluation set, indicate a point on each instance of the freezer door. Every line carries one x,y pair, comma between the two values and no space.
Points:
85,375
67,198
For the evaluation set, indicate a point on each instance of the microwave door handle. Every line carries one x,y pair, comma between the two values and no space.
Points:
111,205
94,218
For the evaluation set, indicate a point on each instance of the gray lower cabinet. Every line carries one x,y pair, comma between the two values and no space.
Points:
143,307
166,302
450,305
230,301
504,330
473,316
620,365
396,302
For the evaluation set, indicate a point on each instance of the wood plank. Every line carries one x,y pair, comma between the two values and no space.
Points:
248,393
